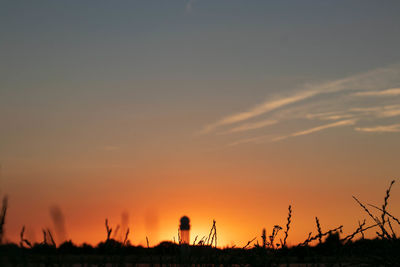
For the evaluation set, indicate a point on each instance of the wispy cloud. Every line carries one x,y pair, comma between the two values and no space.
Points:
379,111
380,129
331,116
339,102
379,78
365,109
326,126
390,113
387,92
251,126
316,129
258,110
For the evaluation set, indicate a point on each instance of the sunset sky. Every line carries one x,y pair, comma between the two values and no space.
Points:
226,110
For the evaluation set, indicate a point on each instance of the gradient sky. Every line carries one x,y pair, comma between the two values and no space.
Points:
225,110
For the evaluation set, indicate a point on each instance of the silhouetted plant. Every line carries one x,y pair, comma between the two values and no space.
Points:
126,241
264,238
312,238
212,236
53,243
249,242
287,225
195,239
331,249
23,240
3,217
275,231
108,230
358,230
319,230
385,203
381,223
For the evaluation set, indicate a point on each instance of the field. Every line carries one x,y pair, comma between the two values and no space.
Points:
325,248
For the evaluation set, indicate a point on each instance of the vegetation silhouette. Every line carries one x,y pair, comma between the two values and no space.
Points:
324,248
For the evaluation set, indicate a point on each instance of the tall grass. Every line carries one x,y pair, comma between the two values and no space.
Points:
323,246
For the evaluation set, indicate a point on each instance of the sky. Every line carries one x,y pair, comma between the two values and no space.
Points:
144,111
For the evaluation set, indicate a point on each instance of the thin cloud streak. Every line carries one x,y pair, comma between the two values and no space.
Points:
378,112
331,116
258,110
394,128
316,129
326,126
337,101
300,133
389,111
388,92
251,126
367,81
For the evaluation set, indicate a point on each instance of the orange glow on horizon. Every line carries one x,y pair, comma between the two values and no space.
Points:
238,219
